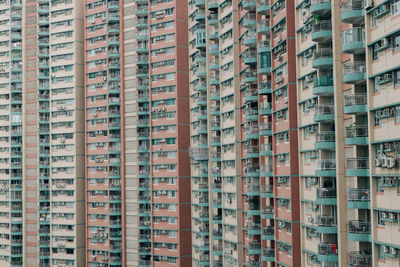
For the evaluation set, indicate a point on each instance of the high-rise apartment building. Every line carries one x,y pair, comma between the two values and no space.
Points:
245,203
329,82
163,133
42,141
105,230
347,75
199,133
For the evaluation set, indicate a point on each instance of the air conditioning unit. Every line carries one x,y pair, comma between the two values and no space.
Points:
104,78
368,4
393,251
377,162
60,107
384,215
62,140
391,162
285,100
311,219
385,249
384,162
378,79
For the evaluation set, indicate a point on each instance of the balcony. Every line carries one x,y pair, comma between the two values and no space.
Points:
263,46
322,31
268,254
250,77
267,212
323,86
320,7
249,20
199,3
357,167
200,15
141,11
266,150
265,128
355,104
359,231
358,198
250,38
326,196
263,26
251,131
353,11
249,57
266,170
268,233
250,95
253,229
323,59
325,140
324,113
327,252
265,108
326,168
267,190
326,224
353,40
356,135
251,114
360,259
354,72
253,190
249,4
253,248
212,5
142,35
113,5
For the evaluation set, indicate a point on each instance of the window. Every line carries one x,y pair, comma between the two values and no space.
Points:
396,7
380,221
396,43
397,114
377,120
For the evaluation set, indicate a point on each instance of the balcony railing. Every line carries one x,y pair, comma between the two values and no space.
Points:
323,81
354,67
360,259
328,136
268,210
269,230
326,221
357,163
326,164
357,131
326,192
323,53
327,249
356,194
355,34
320,110
268,188
324,25
355,100
268,252
359,227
